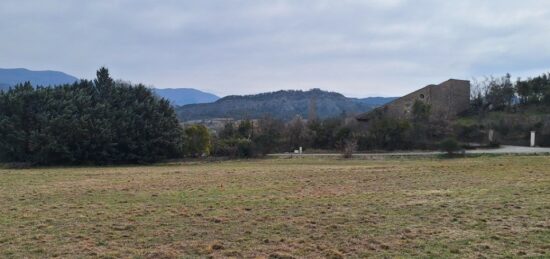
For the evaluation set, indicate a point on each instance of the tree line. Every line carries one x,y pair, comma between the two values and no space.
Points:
249,138
103,121
111,122
98,122
504,94
512,109
512,99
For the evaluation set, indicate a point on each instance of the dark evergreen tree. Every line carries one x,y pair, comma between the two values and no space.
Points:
268,137
99,122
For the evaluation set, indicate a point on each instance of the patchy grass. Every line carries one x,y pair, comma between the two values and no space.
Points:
281,208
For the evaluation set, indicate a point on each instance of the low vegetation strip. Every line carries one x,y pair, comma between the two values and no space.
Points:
470,207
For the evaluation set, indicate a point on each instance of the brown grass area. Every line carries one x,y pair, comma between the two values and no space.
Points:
281,208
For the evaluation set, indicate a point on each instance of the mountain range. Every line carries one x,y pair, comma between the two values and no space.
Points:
183,96
192,104
11,77
14,76
284,105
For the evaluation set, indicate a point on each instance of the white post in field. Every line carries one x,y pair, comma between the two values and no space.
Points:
491,135
532,138
300,150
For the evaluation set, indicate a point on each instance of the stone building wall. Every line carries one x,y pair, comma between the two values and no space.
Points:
447,100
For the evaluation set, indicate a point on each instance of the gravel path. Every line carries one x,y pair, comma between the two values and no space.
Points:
501,150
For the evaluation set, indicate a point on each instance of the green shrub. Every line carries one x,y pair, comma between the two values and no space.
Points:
450,146
235,147
197,141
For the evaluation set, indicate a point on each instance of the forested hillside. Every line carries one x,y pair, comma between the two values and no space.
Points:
283,105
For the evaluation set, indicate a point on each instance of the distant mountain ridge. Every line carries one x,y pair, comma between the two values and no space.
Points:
184,96
13,76
284,105
377,101
193,104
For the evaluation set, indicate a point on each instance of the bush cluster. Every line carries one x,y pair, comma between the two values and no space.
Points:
99,122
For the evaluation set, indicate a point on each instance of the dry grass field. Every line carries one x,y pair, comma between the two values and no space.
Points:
277,208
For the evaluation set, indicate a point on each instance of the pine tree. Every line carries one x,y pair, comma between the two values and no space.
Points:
98,122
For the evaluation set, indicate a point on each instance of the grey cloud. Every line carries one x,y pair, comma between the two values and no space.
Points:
357,47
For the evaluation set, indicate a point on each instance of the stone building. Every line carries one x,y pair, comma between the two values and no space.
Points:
447,100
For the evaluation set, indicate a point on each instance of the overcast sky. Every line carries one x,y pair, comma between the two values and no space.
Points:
357,47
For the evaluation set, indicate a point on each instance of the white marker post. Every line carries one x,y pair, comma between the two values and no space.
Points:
533,138
491,135
300,150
